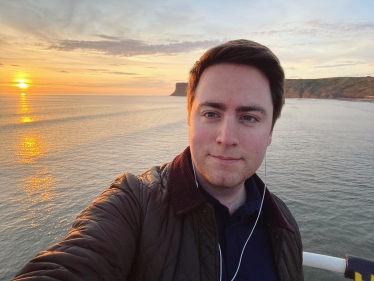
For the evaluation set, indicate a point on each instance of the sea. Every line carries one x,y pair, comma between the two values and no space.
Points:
59,152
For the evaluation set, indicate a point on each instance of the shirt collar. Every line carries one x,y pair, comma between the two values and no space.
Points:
253,201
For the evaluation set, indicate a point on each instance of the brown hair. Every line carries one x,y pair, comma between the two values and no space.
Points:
242,52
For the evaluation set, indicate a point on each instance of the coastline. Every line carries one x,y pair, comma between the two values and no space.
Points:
339,88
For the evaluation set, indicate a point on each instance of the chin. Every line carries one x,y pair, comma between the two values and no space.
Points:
225,182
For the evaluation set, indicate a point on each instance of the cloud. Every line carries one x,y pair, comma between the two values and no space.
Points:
131,47
107,37
342,26
347,63
16,65
97,69
111,72
62,71
122,73
316,28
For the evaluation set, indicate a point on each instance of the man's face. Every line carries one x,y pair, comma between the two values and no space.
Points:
230,124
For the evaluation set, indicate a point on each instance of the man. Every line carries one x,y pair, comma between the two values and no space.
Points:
206,215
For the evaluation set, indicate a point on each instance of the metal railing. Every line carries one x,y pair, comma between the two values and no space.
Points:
352,267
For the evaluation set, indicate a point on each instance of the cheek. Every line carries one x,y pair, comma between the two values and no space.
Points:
199,134
194,136
197,143
256,143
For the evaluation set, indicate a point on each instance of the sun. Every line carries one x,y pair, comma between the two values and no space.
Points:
22,84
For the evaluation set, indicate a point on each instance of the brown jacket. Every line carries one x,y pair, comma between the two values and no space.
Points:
157,226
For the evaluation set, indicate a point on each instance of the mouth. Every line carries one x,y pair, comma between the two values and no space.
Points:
225,159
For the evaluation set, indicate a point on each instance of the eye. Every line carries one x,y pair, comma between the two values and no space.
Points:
249,118
210,115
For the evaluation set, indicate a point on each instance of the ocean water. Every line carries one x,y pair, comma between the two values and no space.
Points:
58,153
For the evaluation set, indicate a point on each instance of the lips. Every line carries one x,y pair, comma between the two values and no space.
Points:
226,159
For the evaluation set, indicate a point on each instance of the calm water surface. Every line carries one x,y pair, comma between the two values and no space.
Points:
58,153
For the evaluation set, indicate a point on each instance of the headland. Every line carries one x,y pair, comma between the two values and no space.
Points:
323,88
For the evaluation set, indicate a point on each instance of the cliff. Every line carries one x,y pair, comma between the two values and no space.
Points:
331,88
324,88
180,89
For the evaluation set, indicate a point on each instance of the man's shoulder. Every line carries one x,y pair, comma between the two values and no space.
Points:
153,178
129,192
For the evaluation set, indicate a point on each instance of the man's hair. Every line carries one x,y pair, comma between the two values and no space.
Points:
242,52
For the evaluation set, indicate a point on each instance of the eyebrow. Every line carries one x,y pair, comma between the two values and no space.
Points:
222,106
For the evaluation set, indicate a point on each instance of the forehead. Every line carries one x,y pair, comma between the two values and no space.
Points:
233,84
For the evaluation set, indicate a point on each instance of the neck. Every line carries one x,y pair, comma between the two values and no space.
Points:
231,197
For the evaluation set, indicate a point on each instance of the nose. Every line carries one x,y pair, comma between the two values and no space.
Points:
227,134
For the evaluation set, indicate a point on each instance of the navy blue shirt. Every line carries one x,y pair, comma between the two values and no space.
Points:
257,261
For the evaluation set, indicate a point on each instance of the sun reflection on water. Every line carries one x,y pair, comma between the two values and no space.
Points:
36,179
30,149
27,119
24,110
39,187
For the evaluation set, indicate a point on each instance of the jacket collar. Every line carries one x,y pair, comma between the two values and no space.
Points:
270,209
185,195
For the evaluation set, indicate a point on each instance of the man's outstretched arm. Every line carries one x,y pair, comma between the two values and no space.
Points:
100,246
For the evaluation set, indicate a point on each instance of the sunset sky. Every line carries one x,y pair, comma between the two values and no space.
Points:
145,47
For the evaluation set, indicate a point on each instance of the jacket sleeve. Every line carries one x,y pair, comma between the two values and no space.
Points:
102,242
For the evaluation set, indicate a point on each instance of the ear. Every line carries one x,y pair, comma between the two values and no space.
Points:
270,138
